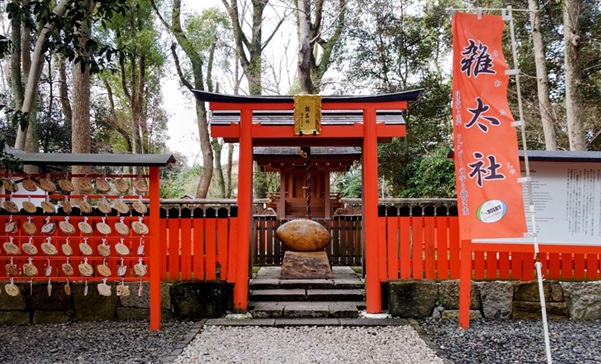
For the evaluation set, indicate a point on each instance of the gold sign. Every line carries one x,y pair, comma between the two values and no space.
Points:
307,114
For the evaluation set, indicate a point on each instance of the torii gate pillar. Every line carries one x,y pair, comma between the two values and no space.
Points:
373,287
245,200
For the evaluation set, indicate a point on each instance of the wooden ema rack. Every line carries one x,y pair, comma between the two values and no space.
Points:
141,263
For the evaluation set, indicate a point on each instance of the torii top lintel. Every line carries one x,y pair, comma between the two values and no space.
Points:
272,118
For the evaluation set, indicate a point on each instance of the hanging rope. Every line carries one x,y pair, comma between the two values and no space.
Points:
307,150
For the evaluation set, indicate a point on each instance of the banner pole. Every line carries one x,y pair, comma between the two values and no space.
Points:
528,180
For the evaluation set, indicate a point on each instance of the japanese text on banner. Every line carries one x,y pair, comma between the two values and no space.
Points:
486,153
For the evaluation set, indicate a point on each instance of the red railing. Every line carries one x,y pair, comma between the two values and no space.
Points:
196,243
428,247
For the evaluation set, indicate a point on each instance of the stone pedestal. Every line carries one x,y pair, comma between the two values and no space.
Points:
306,265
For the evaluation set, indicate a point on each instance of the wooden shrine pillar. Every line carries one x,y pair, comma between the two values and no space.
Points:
373,288
245,195
155,248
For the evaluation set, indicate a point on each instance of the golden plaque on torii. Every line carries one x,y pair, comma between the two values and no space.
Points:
307,114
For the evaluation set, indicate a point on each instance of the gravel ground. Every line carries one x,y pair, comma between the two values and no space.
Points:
302,344
485,341
90,342
510,341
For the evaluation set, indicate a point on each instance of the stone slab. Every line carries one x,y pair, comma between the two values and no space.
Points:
525,310
13,303
343,270
304,265
267,309
373,322
52,317
57,301
343,309
412,299
93,306
226,322
264,283
307,322
335,294
454,314
133,300
307,309
14,318
133,313
348,283
269,272
278,295
448,295
306,283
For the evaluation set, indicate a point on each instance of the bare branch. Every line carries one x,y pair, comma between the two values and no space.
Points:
179,68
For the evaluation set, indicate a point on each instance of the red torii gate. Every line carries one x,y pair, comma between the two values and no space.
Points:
346,121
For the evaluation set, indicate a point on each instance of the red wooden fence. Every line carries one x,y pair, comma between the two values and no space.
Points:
416,246
196,243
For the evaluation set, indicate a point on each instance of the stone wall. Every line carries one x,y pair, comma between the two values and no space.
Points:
179,300
495,299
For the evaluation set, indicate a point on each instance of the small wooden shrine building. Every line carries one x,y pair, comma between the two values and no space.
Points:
291,164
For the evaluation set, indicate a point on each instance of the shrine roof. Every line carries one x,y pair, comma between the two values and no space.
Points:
331,151
411,95
563,156
151,160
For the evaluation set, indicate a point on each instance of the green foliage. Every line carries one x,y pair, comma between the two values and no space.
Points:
392,47
263,183
350,184
430,176
179,180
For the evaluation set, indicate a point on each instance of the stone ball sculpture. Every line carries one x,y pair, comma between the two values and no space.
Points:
303,235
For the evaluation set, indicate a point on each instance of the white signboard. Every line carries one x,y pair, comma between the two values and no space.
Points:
567,202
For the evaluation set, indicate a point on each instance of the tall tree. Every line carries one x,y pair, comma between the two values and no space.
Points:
547,114
133,92
573,76
197,64
317,39
80,124
249,50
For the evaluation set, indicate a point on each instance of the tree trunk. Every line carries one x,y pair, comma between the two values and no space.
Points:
230,162
15,81
251,64
81,130
207,151
34,74
573,77
63,88
547,114
201,113
304,47
218,172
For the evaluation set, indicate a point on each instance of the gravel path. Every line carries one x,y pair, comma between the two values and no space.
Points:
303,344
508,341
90,342
132,342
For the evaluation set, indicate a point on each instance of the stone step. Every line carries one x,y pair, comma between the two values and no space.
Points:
335,294
300,294
316,309
274,283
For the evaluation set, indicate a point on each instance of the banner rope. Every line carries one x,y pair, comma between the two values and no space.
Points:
508,16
